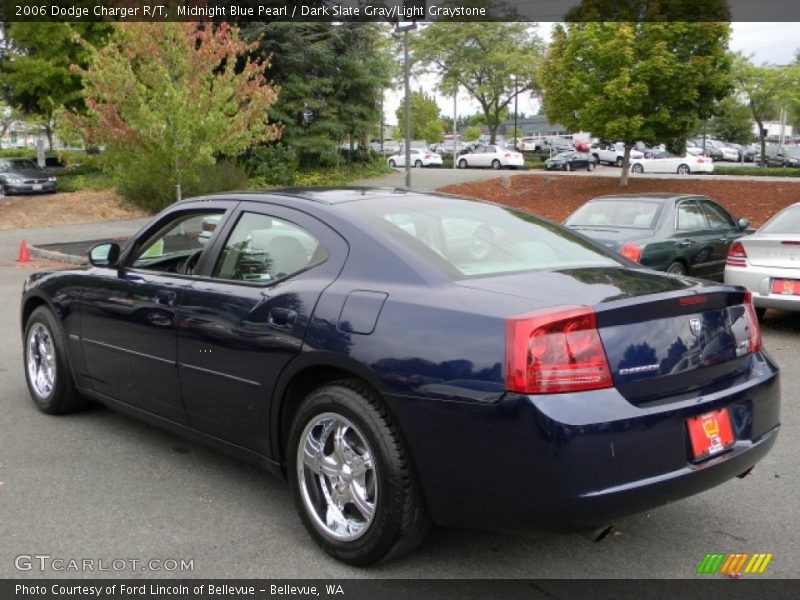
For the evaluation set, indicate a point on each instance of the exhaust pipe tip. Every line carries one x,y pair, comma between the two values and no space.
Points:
746,473
597,534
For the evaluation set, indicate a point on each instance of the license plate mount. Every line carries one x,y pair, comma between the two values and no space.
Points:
710,433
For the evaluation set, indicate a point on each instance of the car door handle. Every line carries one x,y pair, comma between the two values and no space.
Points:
282,318
685,243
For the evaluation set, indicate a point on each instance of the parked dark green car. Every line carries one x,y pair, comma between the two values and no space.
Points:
679,234
570,161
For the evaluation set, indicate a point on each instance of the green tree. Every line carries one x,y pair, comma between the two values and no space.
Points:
493,62
426,123
331,78
631,81
471,133
733,121
766,89
168,99
36,75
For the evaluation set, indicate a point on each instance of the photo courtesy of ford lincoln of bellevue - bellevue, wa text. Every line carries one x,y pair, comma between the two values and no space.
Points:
324,298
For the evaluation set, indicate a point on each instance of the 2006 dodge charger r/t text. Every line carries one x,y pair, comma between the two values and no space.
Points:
407,359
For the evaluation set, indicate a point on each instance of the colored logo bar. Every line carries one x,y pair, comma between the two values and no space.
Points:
736,562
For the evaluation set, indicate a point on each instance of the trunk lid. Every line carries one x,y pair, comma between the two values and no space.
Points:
675,343
663,336
781,251
612,237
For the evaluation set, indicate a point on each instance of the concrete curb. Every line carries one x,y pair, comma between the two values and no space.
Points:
59,256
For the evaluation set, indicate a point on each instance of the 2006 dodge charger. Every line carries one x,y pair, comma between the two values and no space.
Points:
407,359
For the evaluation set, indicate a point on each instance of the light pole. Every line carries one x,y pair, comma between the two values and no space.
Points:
455,128
405,27
516,96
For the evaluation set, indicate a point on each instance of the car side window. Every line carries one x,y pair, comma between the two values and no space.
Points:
264,249
690,218
717,218
177,240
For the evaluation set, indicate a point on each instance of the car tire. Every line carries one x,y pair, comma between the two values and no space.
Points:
677,268
46,365
684,169
357,425
619,161
496,164
418,164
2,190
637,168
596,158
590,166
567,167
392,163
462,164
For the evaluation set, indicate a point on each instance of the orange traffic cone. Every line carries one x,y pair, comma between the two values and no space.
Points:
23,253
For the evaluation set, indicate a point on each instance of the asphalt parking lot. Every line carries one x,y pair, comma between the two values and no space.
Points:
98,485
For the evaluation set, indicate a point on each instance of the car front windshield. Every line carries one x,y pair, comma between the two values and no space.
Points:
787,221
20,164
472,239
634,213
562,156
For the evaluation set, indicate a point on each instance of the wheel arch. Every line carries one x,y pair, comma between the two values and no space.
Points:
299,379
33,302
682,260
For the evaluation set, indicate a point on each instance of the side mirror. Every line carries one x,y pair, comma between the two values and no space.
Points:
743,223
104,255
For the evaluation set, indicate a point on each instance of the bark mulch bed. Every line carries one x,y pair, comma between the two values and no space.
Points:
23,212
557,196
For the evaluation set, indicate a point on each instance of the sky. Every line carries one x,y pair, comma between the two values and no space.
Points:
767,43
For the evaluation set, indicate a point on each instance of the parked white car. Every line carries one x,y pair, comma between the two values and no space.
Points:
419,158
613,154
768,262
669,163
492,156
693,150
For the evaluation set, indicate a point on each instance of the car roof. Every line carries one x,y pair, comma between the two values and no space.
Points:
321,195
657,196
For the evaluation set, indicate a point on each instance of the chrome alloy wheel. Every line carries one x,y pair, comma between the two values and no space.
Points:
337,476
41,360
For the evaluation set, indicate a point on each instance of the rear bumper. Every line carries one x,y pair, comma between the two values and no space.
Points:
573,461
759,281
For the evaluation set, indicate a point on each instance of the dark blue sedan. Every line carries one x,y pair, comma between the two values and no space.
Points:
407,359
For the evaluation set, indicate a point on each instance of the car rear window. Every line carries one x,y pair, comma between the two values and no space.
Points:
633,213
787,221
475,239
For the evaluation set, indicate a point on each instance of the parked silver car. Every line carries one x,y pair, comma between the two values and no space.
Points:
23,176
768,262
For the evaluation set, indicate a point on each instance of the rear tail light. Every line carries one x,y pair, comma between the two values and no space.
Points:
701,160
631,251
737,257
790,243
428,156
752,322
554,351
508,154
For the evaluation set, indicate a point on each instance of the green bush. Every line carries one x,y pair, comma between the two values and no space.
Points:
758,171
224,175
150,186
17,153
273,164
